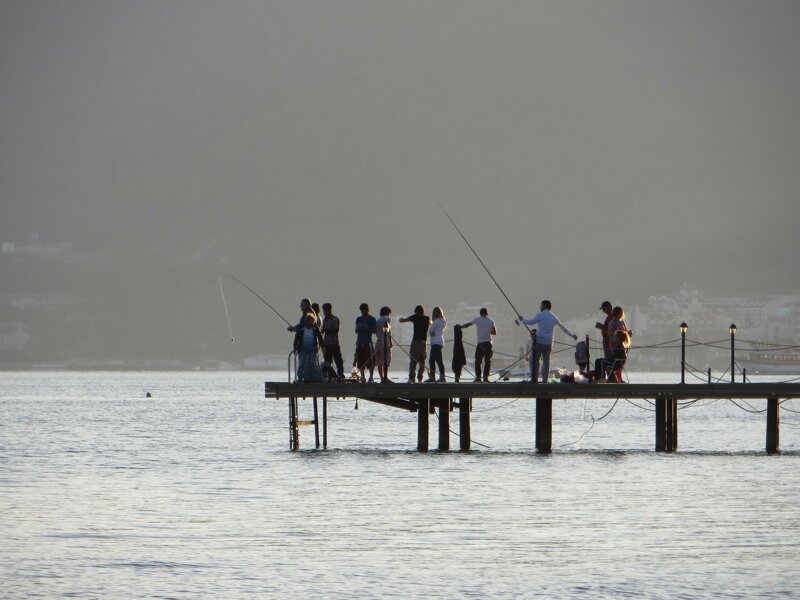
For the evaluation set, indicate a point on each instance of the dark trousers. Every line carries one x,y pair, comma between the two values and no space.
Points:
604,367
436,359
332,352
483,353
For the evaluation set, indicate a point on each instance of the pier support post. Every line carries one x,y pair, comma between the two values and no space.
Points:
444,424
316,423
422,425
661,424
675,425
294,432
672,425
464,406
773,425
544,425
325,422
666,424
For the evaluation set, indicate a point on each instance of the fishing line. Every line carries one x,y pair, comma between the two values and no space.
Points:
225,304
248,288
511,304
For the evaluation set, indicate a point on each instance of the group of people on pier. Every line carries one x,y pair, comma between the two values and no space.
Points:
315,332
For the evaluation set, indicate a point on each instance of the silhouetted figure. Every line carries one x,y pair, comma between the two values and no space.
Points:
365,352
603,327
418,351
483,351
305,308
332,351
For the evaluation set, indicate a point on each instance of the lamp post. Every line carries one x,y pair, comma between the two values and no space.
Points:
684,328
732,329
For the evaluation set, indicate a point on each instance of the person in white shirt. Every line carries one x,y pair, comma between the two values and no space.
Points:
546,322
483,351
436,333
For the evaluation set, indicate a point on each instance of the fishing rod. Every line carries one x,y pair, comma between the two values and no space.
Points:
248,288
511,304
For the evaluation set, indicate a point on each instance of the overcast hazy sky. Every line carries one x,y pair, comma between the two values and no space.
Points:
587,149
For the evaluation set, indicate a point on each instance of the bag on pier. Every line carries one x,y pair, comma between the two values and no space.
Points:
581,354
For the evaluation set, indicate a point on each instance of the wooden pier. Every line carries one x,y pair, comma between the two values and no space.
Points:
424,398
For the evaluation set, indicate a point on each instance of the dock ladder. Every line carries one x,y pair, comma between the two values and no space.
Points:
294,414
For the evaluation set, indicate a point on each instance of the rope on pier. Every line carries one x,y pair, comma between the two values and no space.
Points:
750,410
458,436
641,407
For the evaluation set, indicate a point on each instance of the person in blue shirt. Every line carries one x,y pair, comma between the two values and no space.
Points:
366,326
546,323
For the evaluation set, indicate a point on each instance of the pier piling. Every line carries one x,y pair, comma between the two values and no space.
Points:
316,423
422,425
773,425
325,422
661,424
444,423
464,406
544,425
666,424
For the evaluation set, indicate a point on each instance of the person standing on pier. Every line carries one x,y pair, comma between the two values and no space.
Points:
618,344
305,309
383,343
483,351
332,351
307,342
436,333
318,313
547,322
603,327
418,351
366,325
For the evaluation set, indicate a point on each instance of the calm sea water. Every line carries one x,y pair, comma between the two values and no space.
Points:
193,493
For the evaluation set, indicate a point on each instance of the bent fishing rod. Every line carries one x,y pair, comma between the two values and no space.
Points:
248,288
485,268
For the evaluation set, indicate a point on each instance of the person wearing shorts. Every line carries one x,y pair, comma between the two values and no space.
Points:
366,325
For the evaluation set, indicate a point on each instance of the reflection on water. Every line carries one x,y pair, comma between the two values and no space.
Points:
106,493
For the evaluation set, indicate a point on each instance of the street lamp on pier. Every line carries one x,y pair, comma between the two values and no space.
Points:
732,329
684,328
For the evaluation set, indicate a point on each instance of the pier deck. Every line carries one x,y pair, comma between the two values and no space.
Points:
512,389
446,396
